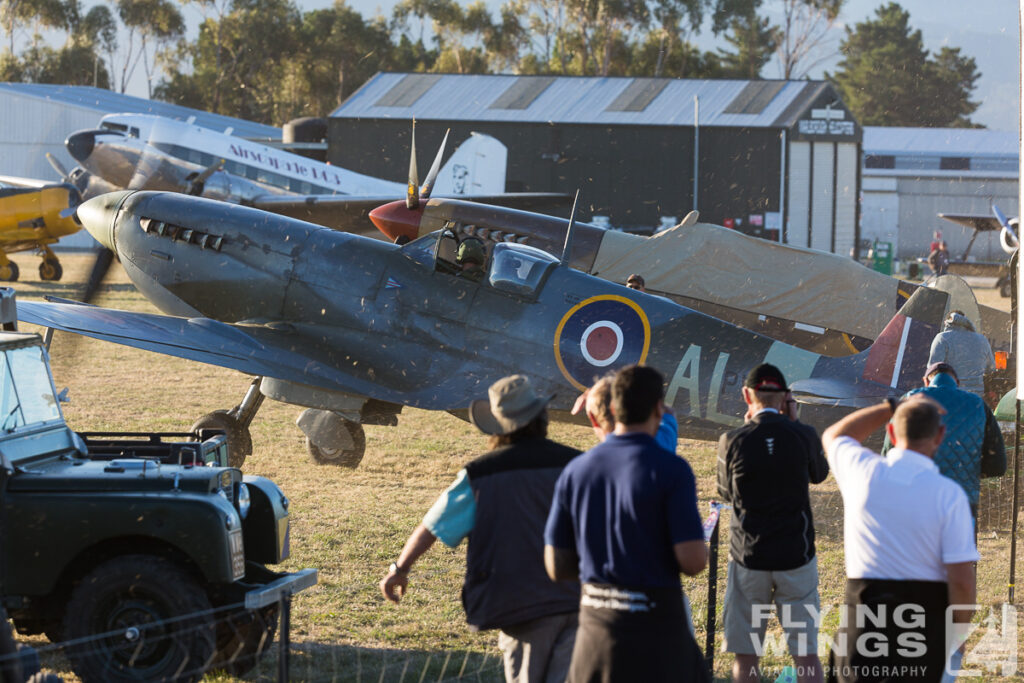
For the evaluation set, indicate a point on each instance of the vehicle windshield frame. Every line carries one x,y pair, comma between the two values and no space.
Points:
27,401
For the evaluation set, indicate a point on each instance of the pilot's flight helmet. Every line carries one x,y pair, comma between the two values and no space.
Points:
471,250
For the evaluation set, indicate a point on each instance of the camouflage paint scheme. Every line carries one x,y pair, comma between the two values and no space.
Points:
363,319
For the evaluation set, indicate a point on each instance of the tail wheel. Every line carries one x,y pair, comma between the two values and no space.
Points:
9,273
50,270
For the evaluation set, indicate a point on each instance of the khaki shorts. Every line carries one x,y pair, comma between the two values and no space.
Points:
749,595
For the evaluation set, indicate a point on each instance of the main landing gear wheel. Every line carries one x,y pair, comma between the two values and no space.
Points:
50,270
9,272
332,439
239,439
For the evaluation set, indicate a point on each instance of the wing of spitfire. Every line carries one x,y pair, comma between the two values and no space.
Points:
342,322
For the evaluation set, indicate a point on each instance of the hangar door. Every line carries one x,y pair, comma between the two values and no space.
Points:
821,195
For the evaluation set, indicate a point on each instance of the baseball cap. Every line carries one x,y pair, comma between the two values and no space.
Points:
941,367
766,377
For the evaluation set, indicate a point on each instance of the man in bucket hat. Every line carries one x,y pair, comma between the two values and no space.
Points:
500,502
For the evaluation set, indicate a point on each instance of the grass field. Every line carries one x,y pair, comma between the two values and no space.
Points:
351,523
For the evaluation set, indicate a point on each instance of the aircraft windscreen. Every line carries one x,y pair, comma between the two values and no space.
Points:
518,268
421,250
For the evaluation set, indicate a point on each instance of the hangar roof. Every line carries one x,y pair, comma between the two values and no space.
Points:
110,102
973,142
575,99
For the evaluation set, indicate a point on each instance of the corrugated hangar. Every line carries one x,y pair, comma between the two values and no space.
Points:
912,174
36,118
779,159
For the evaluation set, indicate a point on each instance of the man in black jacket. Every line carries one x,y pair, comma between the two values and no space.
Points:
500,502
764,469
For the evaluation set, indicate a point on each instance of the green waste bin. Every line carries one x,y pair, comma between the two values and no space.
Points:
881,257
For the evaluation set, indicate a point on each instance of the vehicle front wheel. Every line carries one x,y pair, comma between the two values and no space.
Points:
243,638
51,270
9,273
346,451
139,618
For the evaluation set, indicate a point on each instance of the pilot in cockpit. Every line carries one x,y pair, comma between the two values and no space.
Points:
471,257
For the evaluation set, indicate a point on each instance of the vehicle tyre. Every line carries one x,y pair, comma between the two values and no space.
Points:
9,273
10,662
51,270
346,453
243,637
139,618
1004,287
239,439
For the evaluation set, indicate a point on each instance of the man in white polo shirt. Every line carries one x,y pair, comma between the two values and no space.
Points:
909,545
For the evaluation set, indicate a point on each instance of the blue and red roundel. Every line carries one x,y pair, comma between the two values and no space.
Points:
600,334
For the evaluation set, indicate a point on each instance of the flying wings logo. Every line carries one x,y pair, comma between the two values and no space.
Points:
600,334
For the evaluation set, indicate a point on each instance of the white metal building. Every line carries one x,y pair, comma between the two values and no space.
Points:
36,118
910,175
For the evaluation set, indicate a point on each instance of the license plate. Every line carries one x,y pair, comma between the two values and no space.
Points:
237,553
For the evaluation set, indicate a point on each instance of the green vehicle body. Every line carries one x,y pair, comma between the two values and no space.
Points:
73,502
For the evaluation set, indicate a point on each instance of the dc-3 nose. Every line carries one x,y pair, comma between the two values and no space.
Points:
81,144
97,216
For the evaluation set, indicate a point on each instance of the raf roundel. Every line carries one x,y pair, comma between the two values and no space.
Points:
598,335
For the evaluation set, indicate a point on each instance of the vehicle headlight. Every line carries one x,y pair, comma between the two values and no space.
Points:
243,499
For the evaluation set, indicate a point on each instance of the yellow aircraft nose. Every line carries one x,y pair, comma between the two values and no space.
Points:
97,216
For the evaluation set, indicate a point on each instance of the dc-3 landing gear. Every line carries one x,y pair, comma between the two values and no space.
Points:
332,436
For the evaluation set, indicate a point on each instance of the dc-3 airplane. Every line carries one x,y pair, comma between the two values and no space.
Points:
146,152
355,328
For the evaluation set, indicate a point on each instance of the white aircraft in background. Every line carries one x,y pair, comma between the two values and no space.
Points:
146,152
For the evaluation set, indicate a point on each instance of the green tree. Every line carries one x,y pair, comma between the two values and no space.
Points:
754,41
150,24
888,78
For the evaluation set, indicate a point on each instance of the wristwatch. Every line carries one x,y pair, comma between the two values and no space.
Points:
893,403
395,569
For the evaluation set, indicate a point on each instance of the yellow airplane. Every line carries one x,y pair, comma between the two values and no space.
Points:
34,218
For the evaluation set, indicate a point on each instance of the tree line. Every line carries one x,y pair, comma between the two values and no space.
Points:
267,61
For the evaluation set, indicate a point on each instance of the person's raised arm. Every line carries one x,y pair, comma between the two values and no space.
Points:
858,425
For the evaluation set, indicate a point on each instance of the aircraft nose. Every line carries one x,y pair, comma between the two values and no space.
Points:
81,144
397,221
97,216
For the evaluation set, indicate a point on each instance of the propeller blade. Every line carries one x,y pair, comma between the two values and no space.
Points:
58,167
412,196
196,184
100,267
435,168
1008,238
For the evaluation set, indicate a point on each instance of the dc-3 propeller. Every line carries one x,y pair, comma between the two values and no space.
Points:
1008,239
415,195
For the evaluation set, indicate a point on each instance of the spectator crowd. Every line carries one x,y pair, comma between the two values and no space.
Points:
575,558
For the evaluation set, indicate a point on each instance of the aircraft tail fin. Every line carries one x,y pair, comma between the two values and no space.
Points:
477,167
891,366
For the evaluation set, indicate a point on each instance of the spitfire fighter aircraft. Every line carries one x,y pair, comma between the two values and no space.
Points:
354,328
812,299
146,152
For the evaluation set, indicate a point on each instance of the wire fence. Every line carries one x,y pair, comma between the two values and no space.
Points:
230,642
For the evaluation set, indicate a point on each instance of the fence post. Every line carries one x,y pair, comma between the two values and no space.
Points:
709,639
283,640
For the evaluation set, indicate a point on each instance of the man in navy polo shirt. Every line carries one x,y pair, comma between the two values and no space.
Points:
624,520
